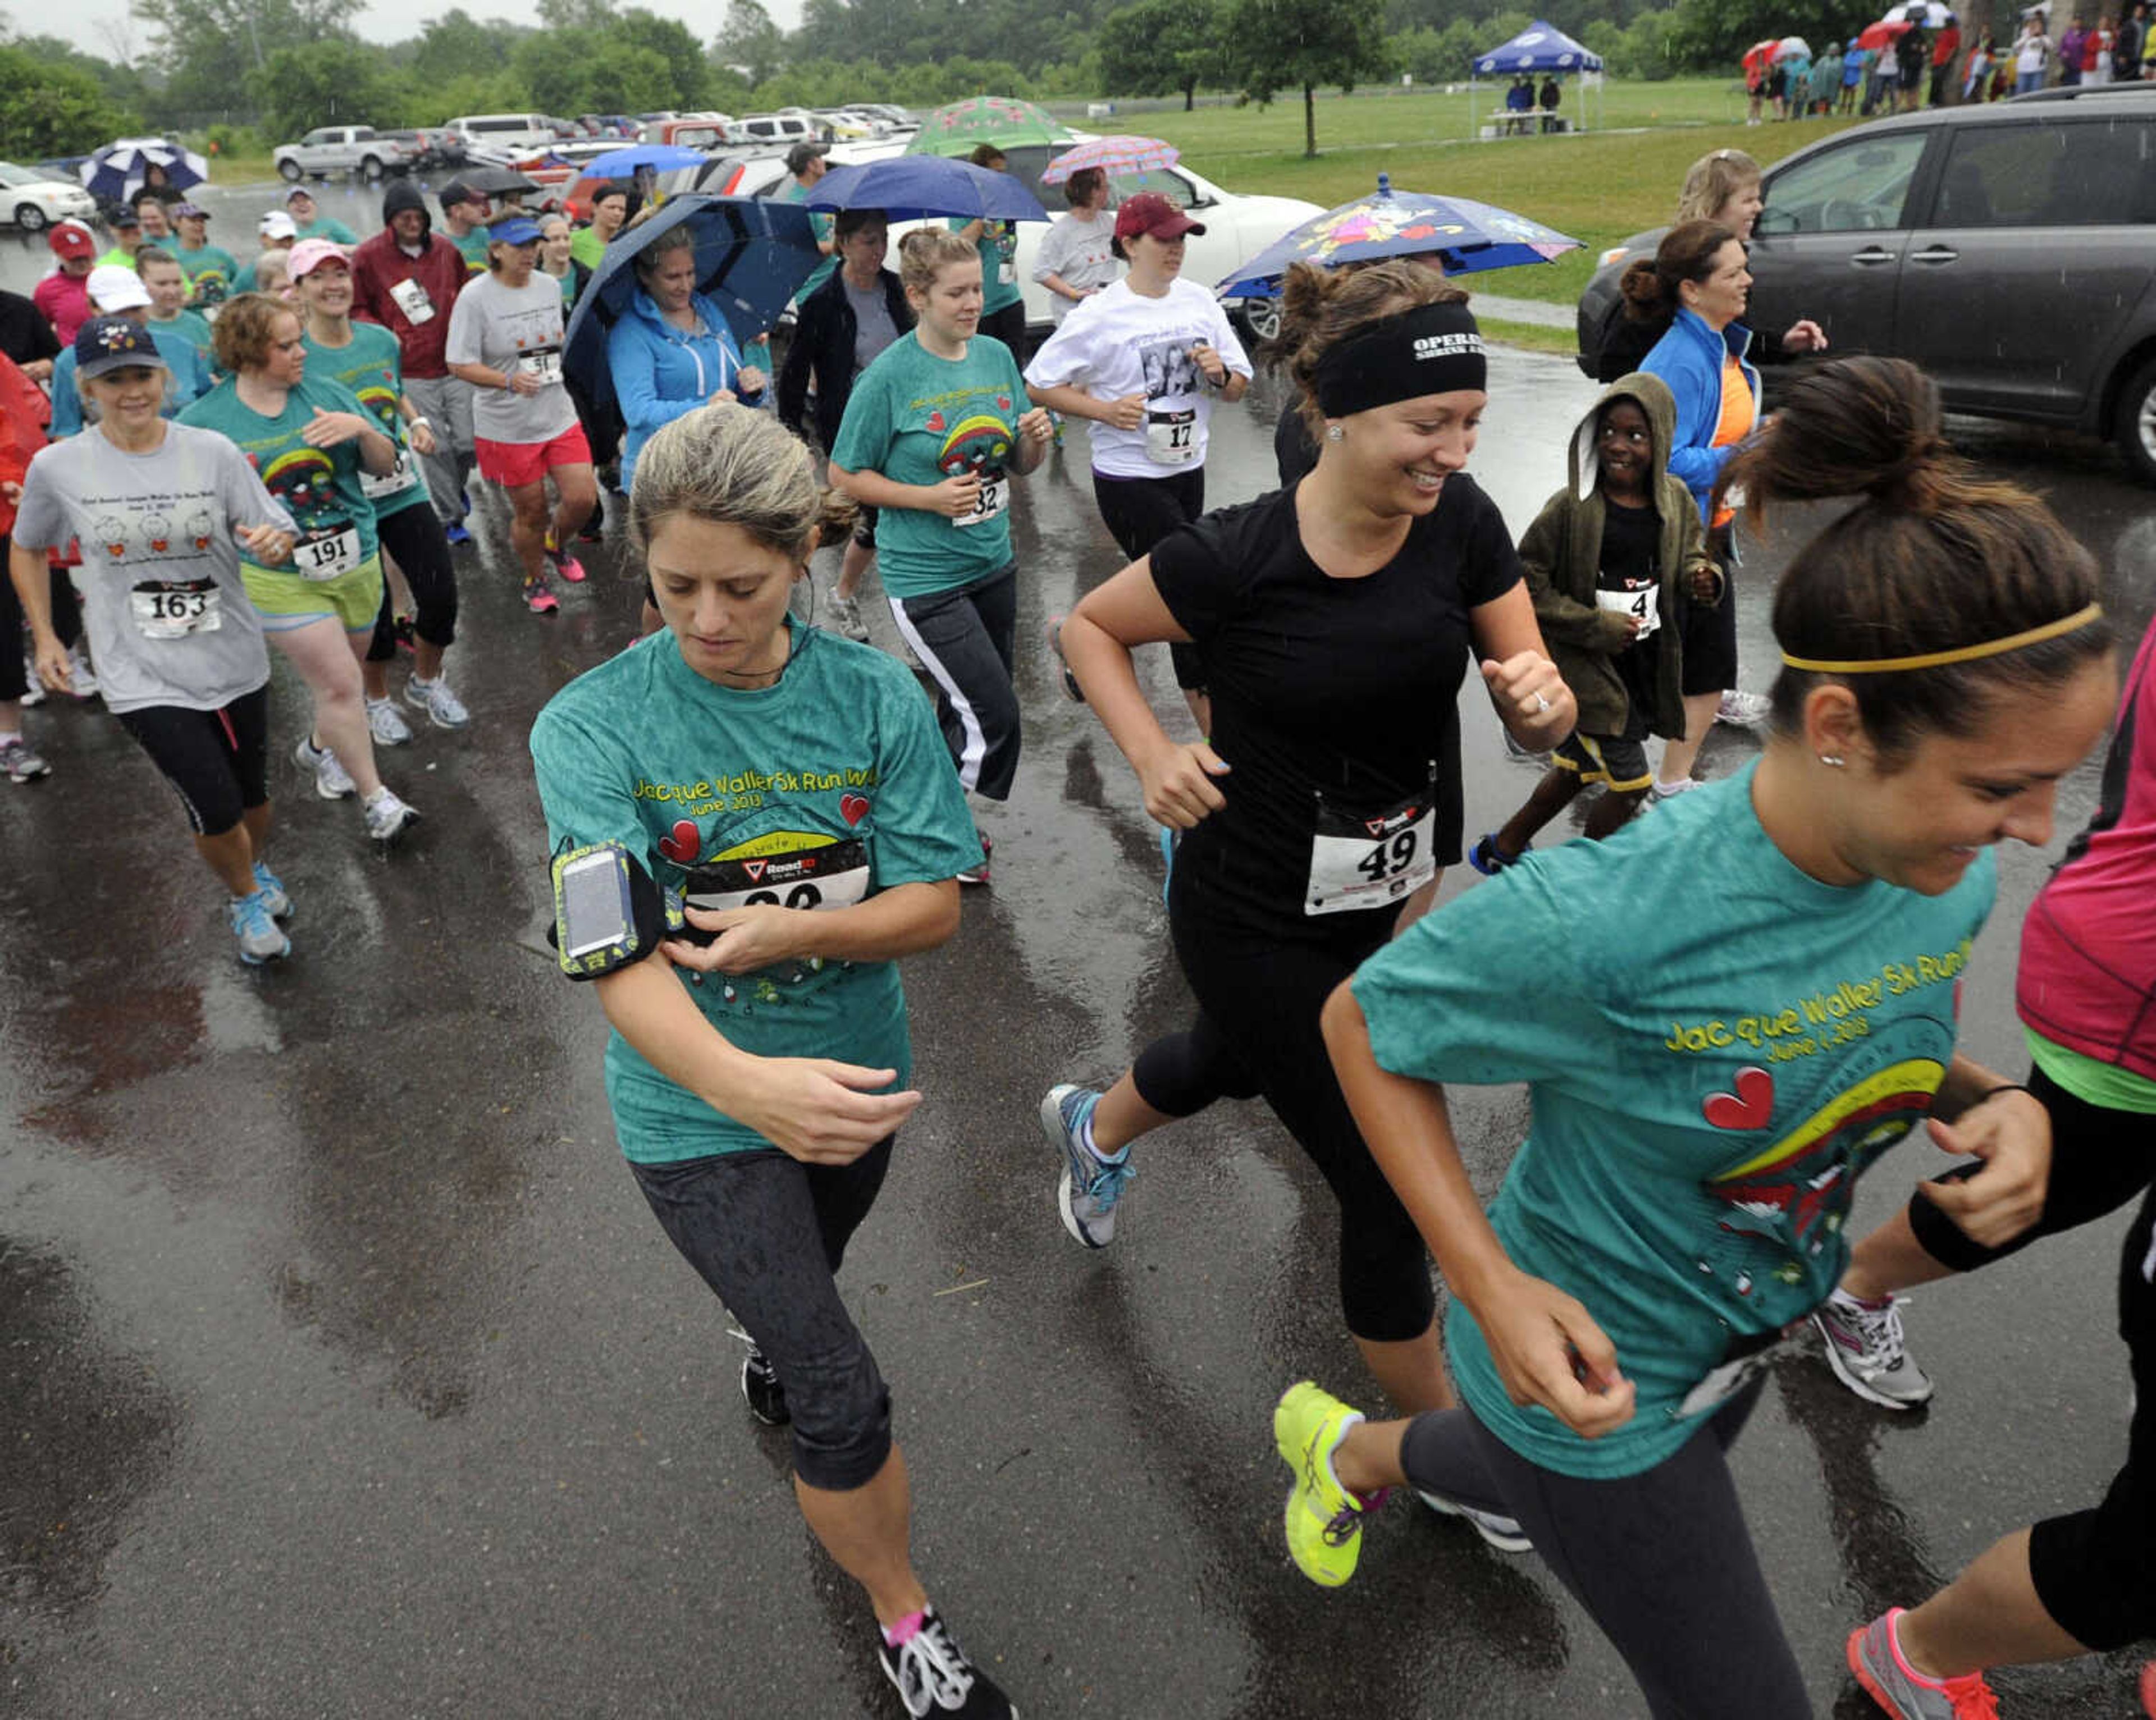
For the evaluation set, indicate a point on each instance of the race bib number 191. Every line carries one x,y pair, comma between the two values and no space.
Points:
328,555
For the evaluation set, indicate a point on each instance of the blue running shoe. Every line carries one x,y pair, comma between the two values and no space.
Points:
259,939
1090,1187
457,534
1490,859
272,888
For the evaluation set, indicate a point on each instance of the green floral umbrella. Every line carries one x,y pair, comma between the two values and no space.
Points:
1001,120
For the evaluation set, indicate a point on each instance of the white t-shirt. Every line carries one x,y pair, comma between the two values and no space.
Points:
506,327
1078,250
1119,342
2034,51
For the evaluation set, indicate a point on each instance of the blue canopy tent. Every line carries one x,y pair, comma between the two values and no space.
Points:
1540,49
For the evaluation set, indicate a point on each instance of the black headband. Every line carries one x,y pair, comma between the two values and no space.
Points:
1432,349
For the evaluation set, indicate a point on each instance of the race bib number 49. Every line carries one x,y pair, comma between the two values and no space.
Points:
1370,862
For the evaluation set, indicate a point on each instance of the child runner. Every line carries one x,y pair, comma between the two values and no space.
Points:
1724,1018
758,1104
1604,560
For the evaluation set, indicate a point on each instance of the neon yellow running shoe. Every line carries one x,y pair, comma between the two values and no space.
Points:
1324,1519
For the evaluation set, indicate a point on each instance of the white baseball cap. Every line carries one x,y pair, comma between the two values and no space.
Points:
277,225
113,288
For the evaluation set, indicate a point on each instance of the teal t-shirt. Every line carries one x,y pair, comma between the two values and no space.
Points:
325,227
212,273
472,247
190,380
919,419
832,785
821,223
195,326
374,369
1707,1085
997,245
319,486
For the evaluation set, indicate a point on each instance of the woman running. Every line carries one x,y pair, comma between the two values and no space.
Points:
1334,623
313,442
932,433
164,513
1078,255
1722,1018
505,340
364,359
757,1103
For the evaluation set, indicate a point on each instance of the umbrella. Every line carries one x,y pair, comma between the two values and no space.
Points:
1877,36
912,188
1926,14
497,182
1793,48
1001,120
1117,156
657,157
751,255
1760,54
1467,237
117,170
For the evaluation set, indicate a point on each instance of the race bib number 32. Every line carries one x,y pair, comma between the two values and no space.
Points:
995,499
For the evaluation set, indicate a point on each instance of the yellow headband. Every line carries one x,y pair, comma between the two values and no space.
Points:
1964,654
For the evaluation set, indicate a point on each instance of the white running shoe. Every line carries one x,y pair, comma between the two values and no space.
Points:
846,619
1743,711
332,781
443,708
34,689
81,676
388,818
1502,1533
385,724
1865,1347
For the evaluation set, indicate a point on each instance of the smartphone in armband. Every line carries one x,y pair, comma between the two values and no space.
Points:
608,911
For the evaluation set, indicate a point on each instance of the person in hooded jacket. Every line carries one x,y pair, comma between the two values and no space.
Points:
406,278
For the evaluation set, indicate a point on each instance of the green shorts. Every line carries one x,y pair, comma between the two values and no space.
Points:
285,601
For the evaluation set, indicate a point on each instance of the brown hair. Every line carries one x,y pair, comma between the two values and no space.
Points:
1079,187
925,251
1934,559
243,334
986,155
1687,254
148,254
1711,180
849,221
1320,308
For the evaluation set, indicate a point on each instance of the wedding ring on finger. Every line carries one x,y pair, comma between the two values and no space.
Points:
1541,704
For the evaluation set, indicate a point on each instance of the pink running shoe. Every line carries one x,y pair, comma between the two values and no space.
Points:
538,599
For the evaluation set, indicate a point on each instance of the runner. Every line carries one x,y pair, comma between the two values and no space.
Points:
505,341
1700,1114
115,291
155,217
168,287
211,270
163,513
761,1134
843,328
1078,255
1143,359
557,260
1003,305
465,213
611,204
1323,820
273,273
63,297
406,278
931,436
127,238
312,441
363,358
308,222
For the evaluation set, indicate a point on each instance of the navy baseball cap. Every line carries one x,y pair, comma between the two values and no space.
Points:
514,230
107,343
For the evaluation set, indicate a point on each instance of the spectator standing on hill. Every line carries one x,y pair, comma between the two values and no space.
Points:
1946,47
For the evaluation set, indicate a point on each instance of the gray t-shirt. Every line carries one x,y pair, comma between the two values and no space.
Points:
873,328
1078,251
504,327
163,601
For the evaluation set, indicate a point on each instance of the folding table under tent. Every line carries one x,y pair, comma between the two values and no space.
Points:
1540,47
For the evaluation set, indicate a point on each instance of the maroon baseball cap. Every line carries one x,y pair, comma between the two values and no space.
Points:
1149,212
73,240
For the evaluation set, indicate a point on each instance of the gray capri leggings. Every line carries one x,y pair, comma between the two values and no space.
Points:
1662,1561
767,1233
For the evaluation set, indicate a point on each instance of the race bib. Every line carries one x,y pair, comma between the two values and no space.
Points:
1746,1359
401,476
995,499
820,875
1370,862
326,555
173,609
545,364
1007,273
1172,437
413,300
1642,605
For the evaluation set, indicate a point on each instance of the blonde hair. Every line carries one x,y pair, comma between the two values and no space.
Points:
241,337
645,262
1710,182
926,251
731,465
1323,307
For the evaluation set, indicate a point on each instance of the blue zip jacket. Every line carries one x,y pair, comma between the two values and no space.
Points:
1689,358
660,374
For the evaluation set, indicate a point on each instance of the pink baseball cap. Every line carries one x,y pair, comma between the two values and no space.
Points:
310,253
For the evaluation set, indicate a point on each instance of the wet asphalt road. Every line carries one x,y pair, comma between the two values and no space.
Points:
343,1371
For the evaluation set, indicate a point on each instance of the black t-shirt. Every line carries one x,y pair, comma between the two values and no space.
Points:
25,336
1631,554
1348,688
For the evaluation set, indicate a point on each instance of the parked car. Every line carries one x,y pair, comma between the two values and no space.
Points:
2003,247
429,147
690,132
774,128
501,138
33,200
359,150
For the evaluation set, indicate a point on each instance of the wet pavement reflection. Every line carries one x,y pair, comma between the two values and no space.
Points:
344,1372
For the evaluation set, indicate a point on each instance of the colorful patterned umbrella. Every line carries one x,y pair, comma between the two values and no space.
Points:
1000,119
1115,156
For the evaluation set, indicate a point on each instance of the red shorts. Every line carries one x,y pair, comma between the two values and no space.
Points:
513,464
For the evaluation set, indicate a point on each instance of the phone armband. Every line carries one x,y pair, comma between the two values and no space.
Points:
608,912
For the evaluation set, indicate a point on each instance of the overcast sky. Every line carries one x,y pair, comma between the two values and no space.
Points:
384,21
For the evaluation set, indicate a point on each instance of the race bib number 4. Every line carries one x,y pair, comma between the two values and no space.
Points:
544,365
1370,862
326,555
1642,603
995,499
166,610
413,300
1172,437
821,874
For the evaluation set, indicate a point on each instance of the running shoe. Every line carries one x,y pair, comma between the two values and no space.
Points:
1662,791
932,1675
443,708
457,533
846,618
1324,1519
34,689
21,764
1490,859
401,631
1090,1186
385,724
2148,1689
1071,690
1502,1533
538,599
979,874
571,570
1865,1347
594,530
1743,711
332,781
257,930
388,818
1875,1655
765,1396
271,889
81,676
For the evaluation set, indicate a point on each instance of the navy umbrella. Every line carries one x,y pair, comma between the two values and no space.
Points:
751,256
117,171
915,188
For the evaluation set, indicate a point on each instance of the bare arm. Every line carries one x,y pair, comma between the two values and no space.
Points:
952,497
898,921
2010,1134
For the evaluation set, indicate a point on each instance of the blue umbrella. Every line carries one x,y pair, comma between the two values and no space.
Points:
751,255
915,187
658,157
117,170
1464,235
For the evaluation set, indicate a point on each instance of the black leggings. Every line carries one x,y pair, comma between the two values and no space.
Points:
218,761
1256,1033
1139,512
1007,325
415,537
15,641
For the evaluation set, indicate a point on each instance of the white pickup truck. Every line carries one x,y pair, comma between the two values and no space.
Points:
342,149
